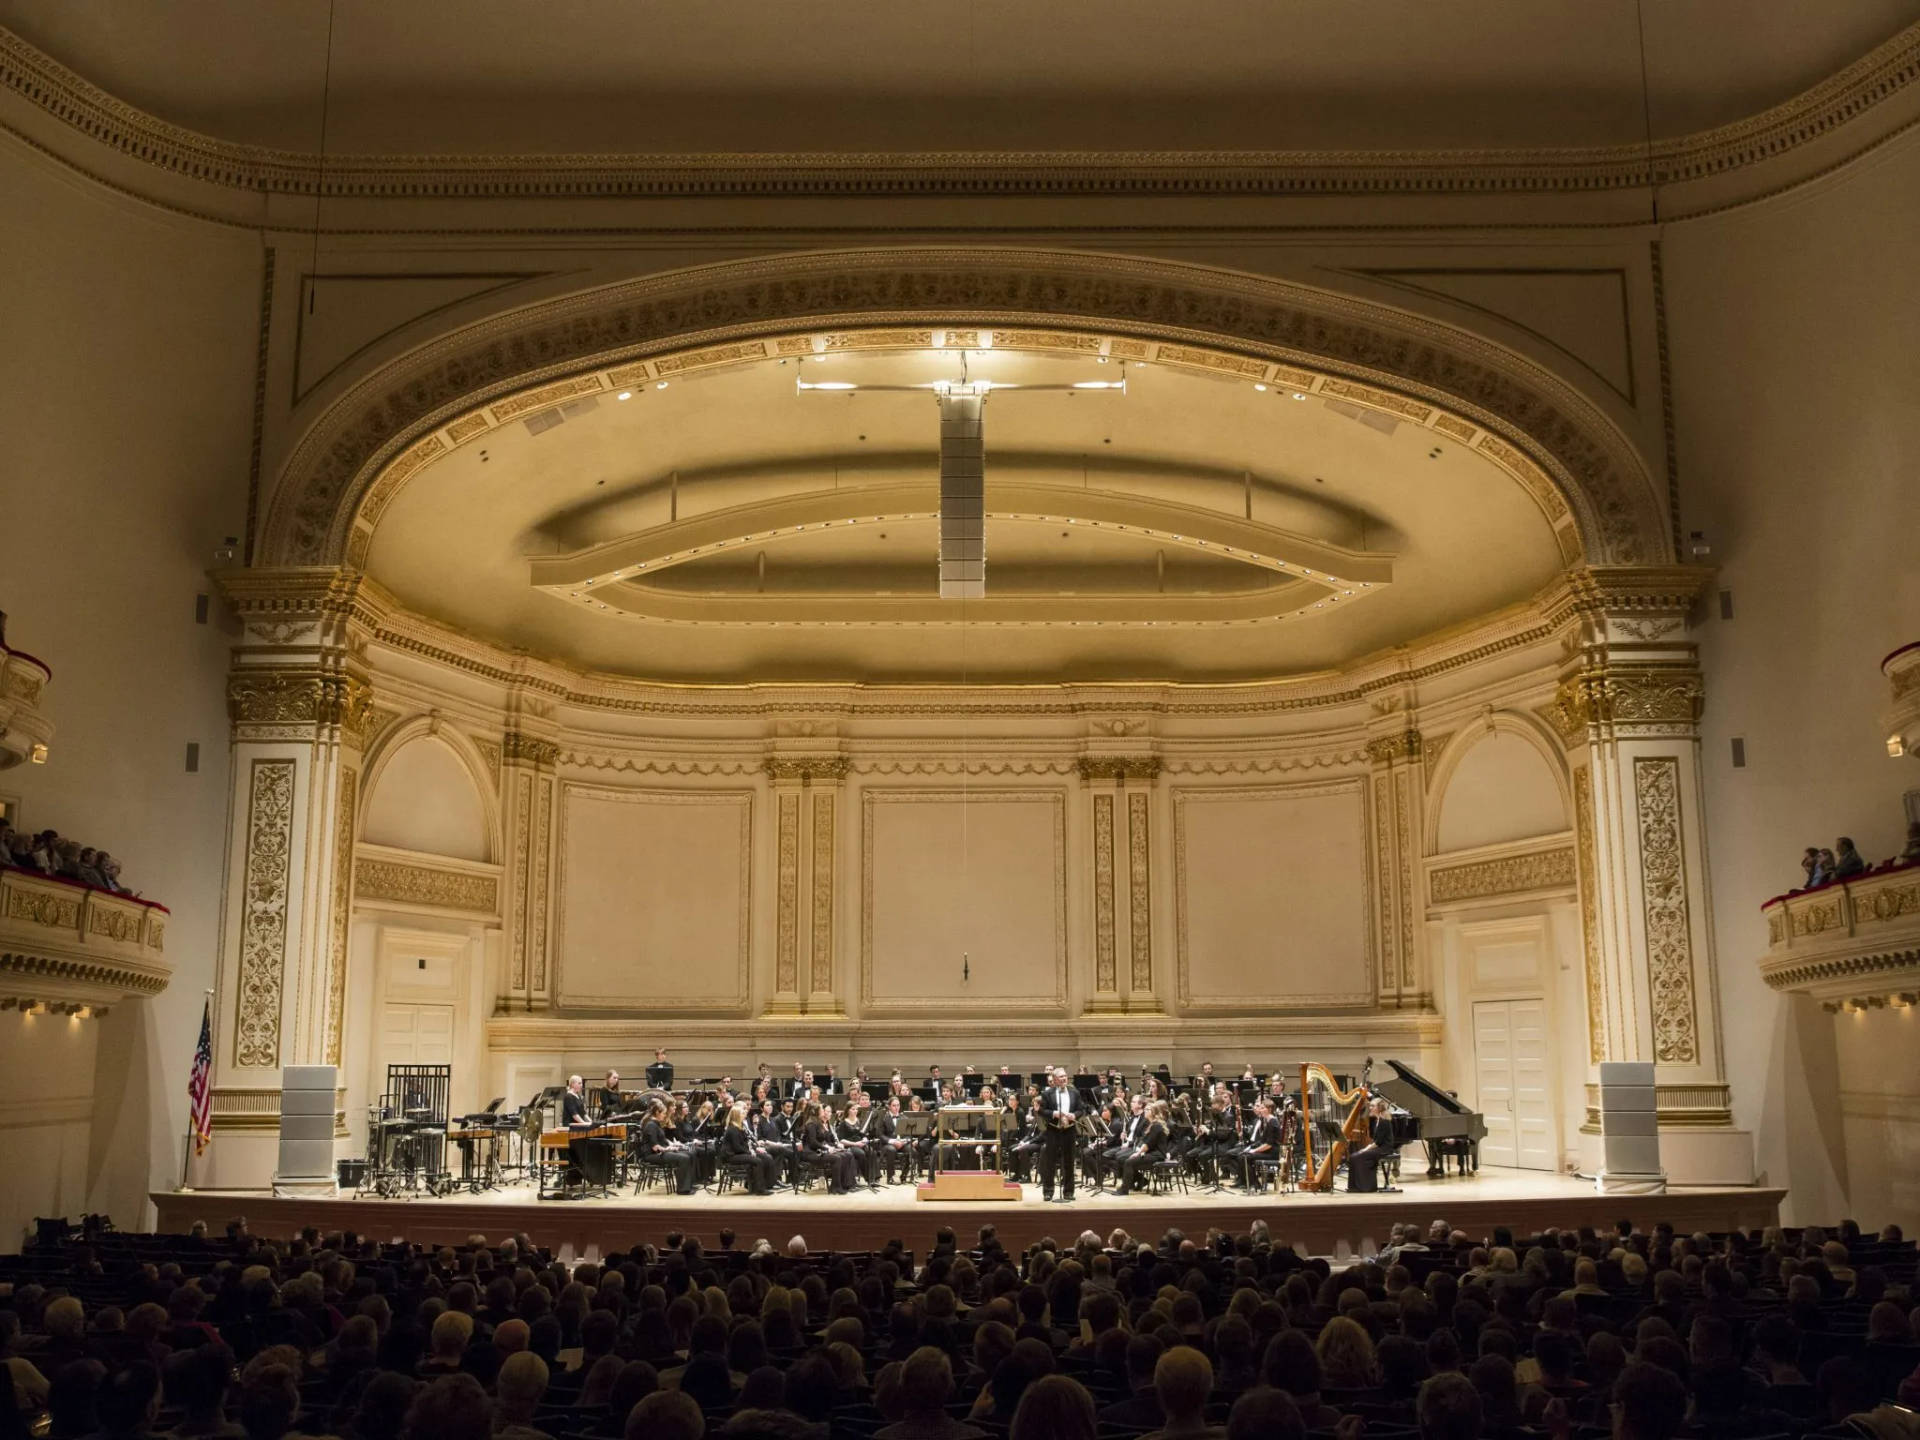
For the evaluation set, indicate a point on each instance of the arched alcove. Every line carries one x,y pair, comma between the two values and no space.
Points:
1500,789
423,797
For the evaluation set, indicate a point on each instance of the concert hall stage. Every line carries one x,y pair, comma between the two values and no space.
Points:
1316,1224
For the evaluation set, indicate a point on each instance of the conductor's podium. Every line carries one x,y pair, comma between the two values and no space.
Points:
975,1127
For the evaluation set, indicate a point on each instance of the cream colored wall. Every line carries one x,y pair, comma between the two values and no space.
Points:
1792,328
424,798
46,1119
125,391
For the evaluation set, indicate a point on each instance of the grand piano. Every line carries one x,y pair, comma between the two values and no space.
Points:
1440,1122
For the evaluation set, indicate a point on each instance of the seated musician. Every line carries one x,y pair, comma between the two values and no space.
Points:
1203,1082
700,1133
657,1149
832,1084
821,1149
1148,1150
608,1098
660,1072
797,1085
893,1148
851,1130
1109,1121
922,1144
1213,1134
1263,1140
1363,1162
1126,1136
738,1143
1019,1138
777,1140
573,1104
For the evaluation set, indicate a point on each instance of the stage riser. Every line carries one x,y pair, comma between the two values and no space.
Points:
1318,1225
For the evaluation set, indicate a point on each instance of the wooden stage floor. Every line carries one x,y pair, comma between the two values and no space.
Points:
1315,1224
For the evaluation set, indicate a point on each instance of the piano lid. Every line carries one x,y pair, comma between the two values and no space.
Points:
1416,1094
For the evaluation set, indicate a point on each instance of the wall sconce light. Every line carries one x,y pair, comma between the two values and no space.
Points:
38,754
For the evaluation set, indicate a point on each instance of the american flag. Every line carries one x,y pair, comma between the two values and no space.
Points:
200,1083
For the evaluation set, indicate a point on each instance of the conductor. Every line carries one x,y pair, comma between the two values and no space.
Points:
1059,1110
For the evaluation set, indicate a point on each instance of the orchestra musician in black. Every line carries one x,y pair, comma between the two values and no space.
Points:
1148,1151
607,1098
820,1149
884,1138
657,1149
777,1141
851,1131
1059,1111
1126,1135
573,1104
660,1072
738,1143
1263,1141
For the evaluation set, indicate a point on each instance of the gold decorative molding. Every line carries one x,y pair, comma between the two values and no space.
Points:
1139,892
1855,940
1119,767
1663,880
807,768
1383,872
1401,745
1403,829
820,903
1848,98
392,880
1566,449
1510,875
786,954
341,914
264,898
517,745
1105,973
542,866
519,853
1596,974
273,697
1639,699
60,942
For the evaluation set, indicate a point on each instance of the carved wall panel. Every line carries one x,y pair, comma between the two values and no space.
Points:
786,968
1139,892
1507,875
341,915
1663,877
1105,976
821,903
1596,973
264,900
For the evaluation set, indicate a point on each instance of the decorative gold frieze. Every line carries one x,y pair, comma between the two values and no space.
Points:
807,768
55,911
268,865
299,697
1403,821
1401,745
1505,875
1383,880
1590,914
1627,697
1663,880
1119,767
517,879
538,882
529,750
425,885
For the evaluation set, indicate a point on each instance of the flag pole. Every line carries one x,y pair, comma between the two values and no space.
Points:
186,1148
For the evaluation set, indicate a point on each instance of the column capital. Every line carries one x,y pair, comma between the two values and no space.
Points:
273,702
518,746
1395,745
1603,697
1119,768
1603,594
808,769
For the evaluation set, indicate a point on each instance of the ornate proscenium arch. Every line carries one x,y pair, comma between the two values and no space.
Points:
1505,406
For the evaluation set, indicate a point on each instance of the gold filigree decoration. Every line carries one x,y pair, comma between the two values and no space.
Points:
1383,872
1590,914
517,878
1403,816
820,904
807,768
786,964
1119,767
1663,879
118,925
1401,745
1505,875
1622,697
342,915
1139,898
1105,978
54,911
542,871
263,913
529,749
425,885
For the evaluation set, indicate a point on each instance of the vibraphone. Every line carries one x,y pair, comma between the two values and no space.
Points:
585,1152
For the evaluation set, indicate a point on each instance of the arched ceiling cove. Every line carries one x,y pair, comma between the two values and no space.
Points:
734,527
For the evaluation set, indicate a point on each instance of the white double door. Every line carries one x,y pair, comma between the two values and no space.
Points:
1512,1081
414,1034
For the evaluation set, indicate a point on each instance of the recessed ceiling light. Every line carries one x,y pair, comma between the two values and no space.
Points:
1258,386
624,395
661,386
1298,396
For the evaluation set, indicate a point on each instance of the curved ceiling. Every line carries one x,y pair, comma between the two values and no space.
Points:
731,526
491,76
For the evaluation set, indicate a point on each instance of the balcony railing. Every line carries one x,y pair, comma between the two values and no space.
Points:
70,948
1850,942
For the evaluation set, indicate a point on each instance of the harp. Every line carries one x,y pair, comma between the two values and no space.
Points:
1334,1120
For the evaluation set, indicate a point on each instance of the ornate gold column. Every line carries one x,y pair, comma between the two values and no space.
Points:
527,761
299,701
1628,707
1396,793
807,791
